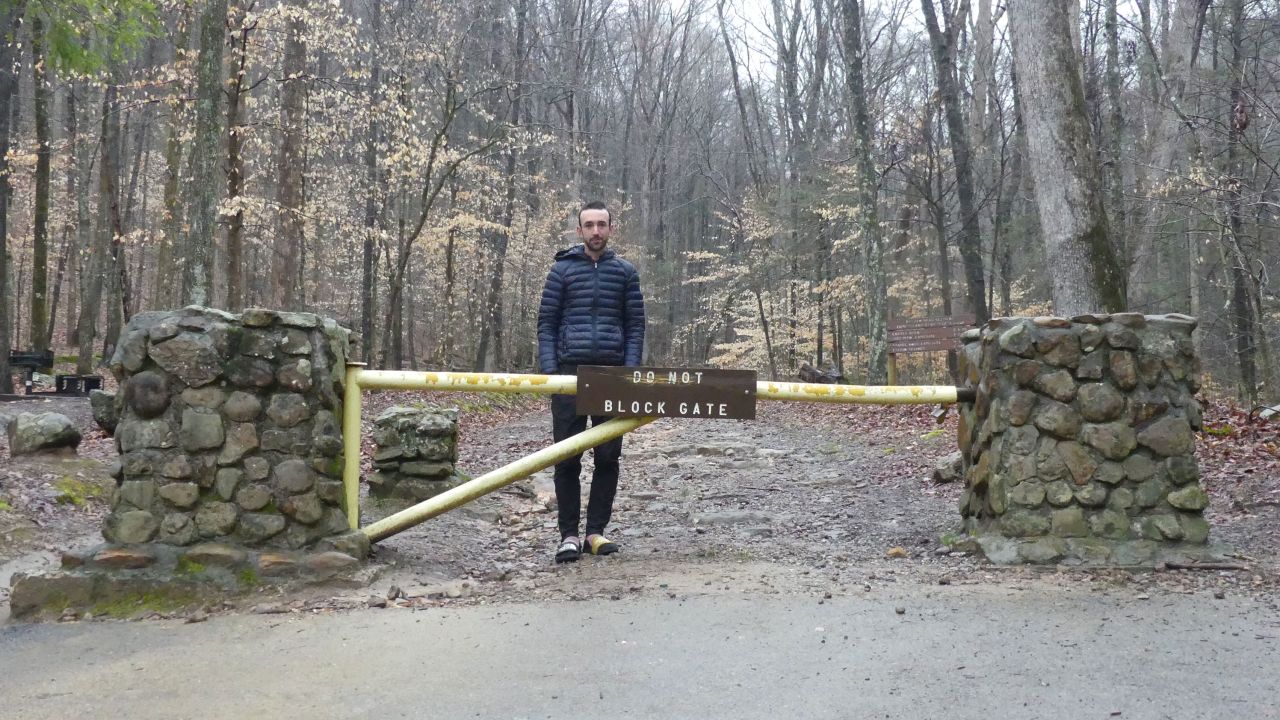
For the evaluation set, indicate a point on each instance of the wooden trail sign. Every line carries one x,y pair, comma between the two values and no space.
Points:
667,392
926,334
908,335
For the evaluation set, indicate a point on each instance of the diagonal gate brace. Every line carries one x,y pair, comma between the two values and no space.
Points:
503,476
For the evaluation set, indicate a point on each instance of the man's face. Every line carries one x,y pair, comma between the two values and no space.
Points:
594,228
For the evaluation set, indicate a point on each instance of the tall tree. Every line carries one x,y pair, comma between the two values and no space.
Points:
11,16
40,219
200,211
868,218
1063,166
238,87
293,89
492,320
943,42
374,190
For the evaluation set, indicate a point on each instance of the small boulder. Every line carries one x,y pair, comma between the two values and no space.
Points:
105,412
43,432
949,468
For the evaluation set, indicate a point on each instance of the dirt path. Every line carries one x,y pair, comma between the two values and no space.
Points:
796,501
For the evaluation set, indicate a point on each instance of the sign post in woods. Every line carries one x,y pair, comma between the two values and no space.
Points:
907,335
667,392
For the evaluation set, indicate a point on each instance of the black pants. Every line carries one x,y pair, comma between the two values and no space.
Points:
565,423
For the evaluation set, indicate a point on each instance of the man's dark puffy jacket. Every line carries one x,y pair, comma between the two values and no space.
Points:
592,313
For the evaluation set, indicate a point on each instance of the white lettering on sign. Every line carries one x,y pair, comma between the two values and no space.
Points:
639,377
648,407
704,409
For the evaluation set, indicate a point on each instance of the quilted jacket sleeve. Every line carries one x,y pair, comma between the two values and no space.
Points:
634,320
549,312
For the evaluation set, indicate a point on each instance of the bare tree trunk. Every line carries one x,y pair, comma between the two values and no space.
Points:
757,176
768,339
11,16
1174,133
1115,138
940,230
1246,325
868,216
493,320
90,304
1086,276
202,200
450,282
970,240
235,162
118,298
81,175
293,87
369,248
40,221
59,274
165,288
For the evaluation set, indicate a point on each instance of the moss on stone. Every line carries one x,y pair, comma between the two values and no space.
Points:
187,566
248,578
133,604
73,491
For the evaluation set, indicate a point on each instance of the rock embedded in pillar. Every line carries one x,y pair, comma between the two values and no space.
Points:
293,476
190,357
242,407
201,429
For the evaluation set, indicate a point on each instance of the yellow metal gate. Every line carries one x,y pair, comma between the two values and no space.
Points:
359,380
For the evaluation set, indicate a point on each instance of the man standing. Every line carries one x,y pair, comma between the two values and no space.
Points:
592,313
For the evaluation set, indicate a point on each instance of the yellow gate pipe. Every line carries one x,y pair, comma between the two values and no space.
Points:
503,476
859,394
468,382
351,444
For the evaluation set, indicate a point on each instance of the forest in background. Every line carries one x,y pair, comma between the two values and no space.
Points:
786,174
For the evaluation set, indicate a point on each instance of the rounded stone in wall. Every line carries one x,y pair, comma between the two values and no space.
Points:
250,372
216,518
305,508
1099,402
1170,435
209,396
253,496
181,494
178,529
293,476
256,468
130,526
296,376
189,356
288,409
242,406
256,527
147,393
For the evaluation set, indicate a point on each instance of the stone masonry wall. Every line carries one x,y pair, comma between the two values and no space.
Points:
1079,446
229,429
416,453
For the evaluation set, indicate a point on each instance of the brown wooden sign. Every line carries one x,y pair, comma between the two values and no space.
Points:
667,392
925,334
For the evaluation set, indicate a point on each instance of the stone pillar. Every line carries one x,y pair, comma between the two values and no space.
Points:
228,429
230,469
1079,447
416,453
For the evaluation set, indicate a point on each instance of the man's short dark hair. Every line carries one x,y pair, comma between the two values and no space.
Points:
594,205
